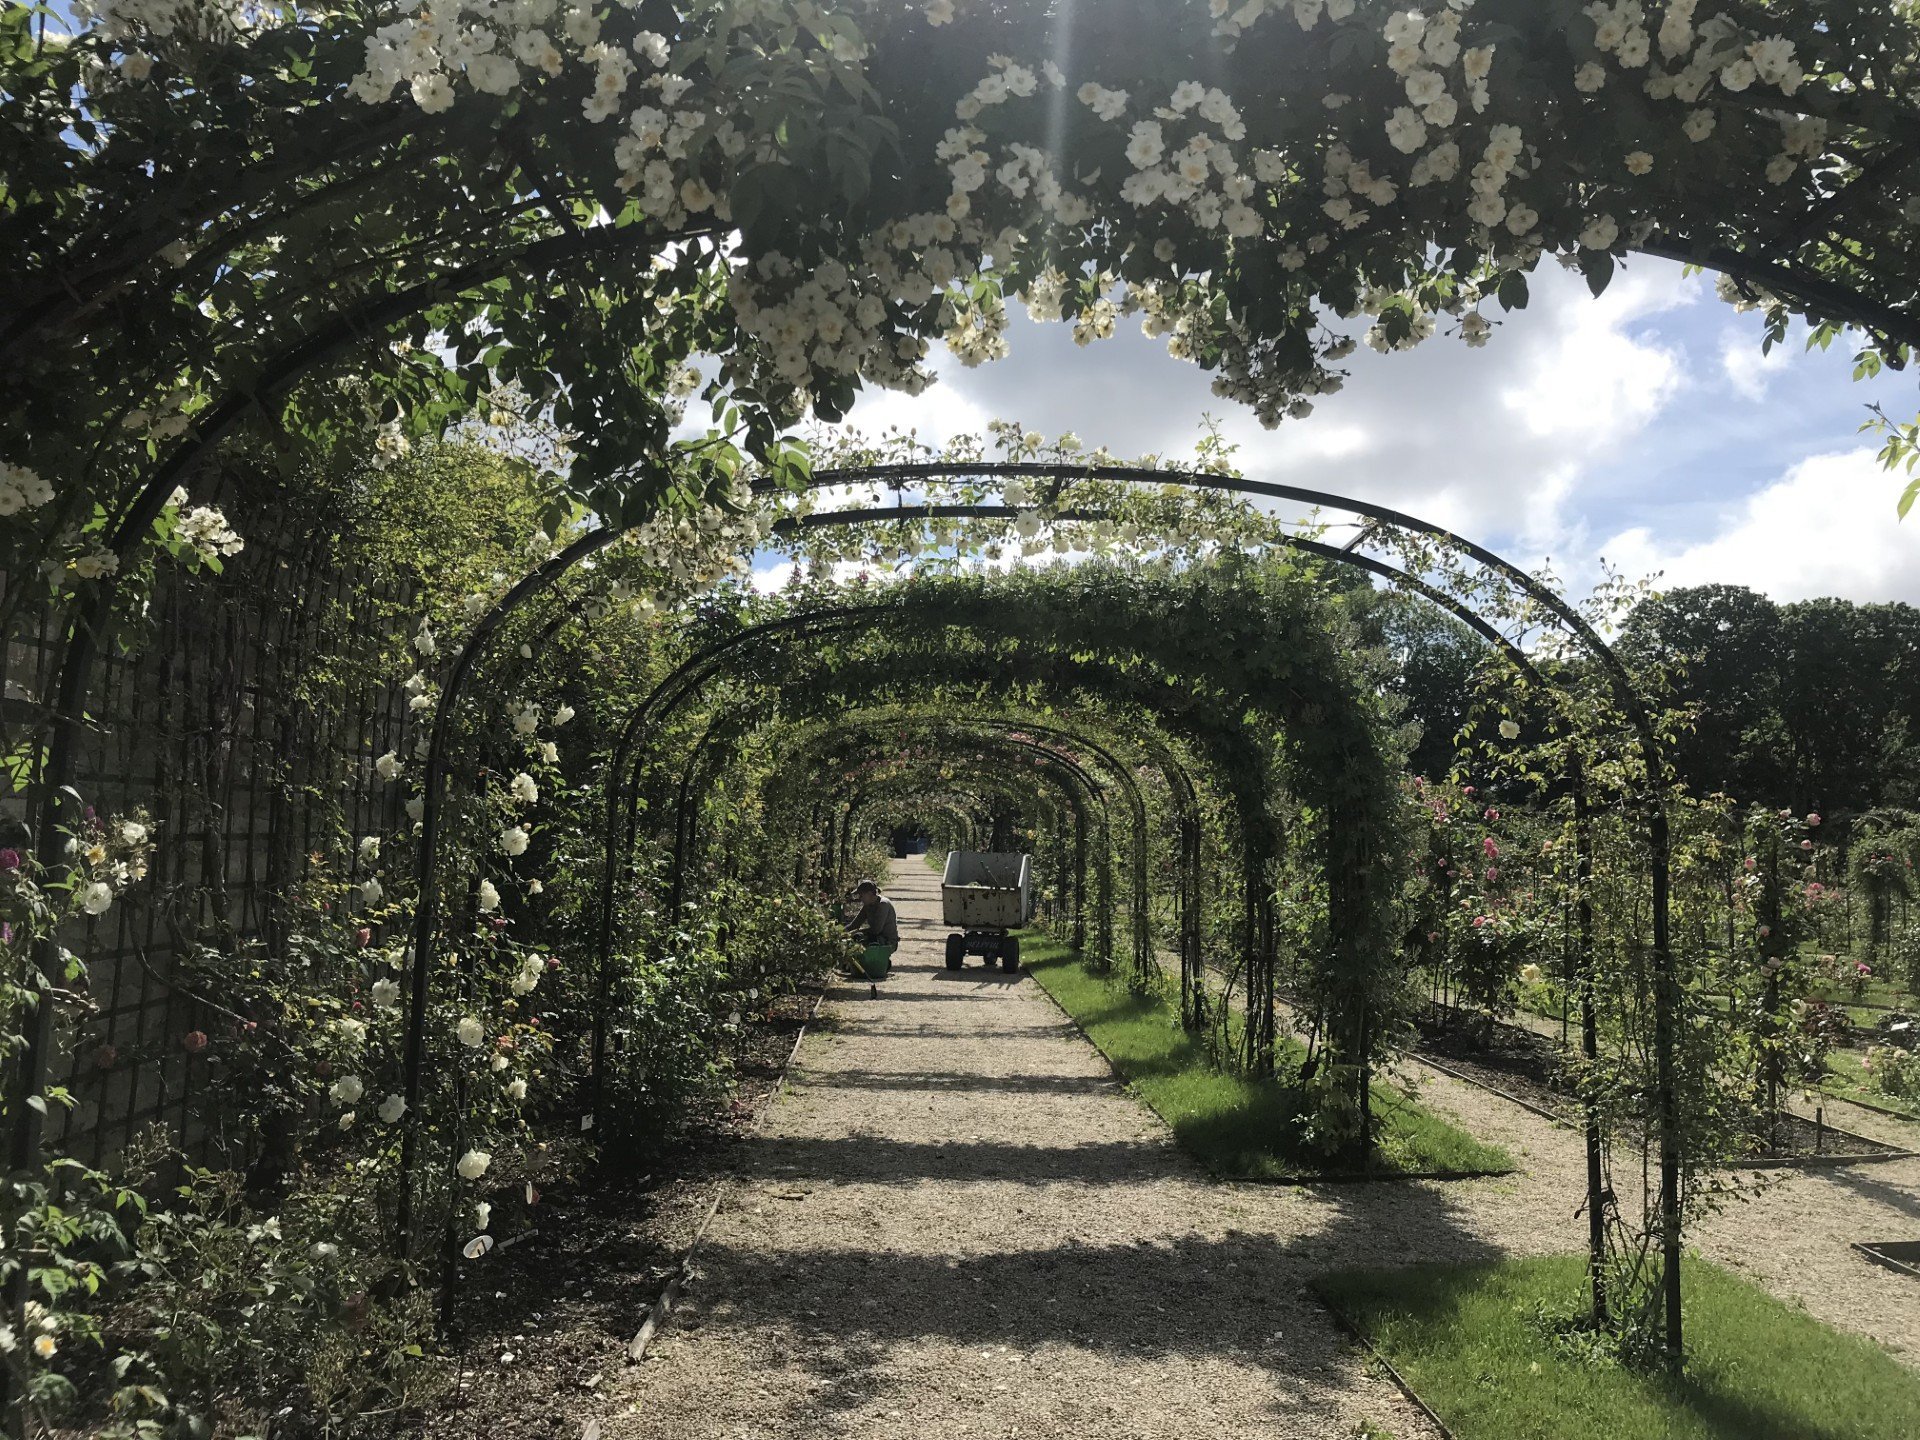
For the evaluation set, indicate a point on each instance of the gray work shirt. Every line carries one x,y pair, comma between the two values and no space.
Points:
878,922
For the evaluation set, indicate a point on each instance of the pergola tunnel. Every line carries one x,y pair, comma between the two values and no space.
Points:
1158,740
1197,749
437,769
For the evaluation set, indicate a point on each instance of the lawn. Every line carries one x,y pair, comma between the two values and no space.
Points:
1757,1370
1846,1079
1240,1128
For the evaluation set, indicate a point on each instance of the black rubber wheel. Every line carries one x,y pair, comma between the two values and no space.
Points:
956,952
1010,956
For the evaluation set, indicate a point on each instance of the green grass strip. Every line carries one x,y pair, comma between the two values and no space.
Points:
1847,1079
1463,1337
1239,1128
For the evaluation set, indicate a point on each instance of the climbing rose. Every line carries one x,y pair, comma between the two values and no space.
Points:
1509,730
194,1041
391,1109
513,840
562,715
346,1090
96,897
474,1164
523,788
488,896
470,1032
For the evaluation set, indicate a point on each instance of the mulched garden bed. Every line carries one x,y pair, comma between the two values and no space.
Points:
1525,1066
540,1328
1507,1058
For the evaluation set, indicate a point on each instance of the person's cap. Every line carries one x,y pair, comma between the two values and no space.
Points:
864,886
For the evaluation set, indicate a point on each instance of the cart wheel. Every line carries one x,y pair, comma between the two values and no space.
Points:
956,952
1010,956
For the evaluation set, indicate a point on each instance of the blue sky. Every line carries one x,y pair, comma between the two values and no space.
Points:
1645,427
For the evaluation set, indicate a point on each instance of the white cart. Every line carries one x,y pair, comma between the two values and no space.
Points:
984,896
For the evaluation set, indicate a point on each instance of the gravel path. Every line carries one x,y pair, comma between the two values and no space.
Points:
957,1225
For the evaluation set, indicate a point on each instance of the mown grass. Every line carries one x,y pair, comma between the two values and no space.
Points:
1846,1079
1239,1128
1463,1337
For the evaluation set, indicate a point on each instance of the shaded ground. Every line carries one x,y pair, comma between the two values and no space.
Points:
542,1327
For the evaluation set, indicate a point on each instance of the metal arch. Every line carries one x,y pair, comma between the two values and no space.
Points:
1583,841
900,474
1125,777
427,903
1583,837
1094,790
840,731
669,694
681,681
1141,937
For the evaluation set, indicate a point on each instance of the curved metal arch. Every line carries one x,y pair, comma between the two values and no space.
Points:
1128,783
1008,727
1258,919
1074,770
686,681
854,724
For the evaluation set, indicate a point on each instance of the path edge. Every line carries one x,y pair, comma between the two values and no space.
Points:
669,1296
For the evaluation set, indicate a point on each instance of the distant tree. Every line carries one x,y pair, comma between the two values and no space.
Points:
1720,649
1435,659
1840,702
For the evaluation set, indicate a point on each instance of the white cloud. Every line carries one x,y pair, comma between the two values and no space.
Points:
1747,370
1592,381
1493,442
1826,527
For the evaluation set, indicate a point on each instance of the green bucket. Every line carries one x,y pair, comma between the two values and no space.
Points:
875,962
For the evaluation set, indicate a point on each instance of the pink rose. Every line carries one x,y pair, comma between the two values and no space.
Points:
195,1041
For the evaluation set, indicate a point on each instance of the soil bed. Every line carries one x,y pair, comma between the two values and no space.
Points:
540,1329
1527,1066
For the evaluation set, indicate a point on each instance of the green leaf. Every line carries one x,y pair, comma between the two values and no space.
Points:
1512,293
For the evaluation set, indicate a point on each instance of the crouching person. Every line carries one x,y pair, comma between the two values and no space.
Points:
876,929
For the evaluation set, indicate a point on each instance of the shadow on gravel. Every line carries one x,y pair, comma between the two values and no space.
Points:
1897,1197
946,1082
871,1160
1239,1296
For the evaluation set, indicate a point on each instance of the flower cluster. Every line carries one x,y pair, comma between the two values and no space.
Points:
21,489
206,529
110,857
